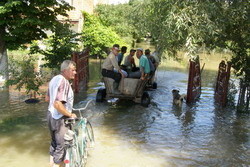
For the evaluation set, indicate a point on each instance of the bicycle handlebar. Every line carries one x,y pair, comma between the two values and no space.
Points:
84,108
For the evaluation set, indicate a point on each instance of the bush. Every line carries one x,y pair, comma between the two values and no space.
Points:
23,75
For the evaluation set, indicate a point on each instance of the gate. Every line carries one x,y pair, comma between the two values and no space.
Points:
82,68
222,83
194,81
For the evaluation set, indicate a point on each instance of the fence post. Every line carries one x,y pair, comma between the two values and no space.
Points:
222,83
194,81
82,64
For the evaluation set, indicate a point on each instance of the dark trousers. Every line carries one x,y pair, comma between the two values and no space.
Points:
111,74
57,130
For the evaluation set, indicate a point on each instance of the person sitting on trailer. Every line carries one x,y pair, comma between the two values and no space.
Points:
156,58
151,61
129,62
111,69
120,55
144,66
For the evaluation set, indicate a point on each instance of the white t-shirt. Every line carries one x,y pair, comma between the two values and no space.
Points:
60,90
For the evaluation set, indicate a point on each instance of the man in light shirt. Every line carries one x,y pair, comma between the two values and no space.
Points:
60,96
110,67
144,66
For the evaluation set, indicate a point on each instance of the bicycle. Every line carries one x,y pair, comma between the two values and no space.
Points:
78,139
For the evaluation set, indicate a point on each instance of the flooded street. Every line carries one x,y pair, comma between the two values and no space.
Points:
129,135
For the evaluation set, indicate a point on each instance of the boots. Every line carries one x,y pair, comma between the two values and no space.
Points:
115,87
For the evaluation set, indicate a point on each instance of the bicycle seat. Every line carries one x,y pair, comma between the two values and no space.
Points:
71,120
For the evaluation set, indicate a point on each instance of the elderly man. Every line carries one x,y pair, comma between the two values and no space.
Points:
60,96
143,65
111,69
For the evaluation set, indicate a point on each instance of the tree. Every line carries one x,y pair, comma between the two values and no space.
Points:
234,34
22,21
58,46
176,25
117,17
188,25
97,36
23,75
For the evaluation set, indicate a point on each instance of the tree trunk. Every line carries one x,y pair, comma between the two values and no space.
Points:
3,58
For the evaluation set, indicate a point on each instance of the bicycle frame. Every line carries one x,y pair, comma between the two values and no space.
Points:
76,151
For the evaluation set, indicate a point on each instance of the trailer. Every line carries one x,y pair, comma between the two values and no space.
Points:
129,88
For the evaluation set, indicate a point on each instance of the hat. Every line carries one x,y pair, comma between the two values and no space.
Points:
140,49
132,50
147,50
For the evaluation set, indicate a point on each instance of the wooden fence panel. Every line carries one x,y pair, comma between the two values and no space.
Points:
222,83
194,81
82,68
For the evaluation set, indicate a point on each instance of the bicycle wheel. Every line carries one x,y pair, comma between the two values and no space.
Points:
71,157
90,135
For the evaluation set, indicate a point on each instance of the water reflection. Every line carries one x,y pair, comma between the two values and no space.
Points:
23,136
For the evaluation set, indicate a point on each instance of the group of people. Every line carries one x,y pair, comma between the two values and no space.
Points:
112,66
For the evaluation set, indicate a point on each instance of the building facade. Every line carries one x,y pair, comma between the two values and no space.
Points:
75,16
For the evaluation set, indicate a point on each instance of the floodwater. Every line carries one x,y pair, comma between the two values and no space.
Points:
129,135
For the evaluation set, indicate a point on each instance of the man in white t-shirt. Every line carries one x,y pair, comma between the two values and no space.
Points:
60,96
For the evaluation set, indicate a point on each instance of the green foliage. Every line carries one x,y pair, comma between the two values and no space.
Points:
235,33
23,21
188,25
23,75
117,17
97,36
58,47
176,25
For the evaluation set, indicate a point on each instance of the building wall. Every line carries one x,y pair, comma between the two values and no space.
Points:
75,16
101,2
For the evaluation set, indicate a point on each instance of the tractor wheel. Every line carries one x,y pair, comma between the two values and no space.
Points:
101,94
145,99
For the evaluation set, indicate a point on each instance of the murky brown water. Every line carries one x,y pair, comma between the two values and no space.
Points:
129,135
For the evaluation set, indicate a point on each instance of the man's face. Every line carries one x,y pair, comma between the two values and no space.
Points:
147,53
115,50
70,72
132,53
138,54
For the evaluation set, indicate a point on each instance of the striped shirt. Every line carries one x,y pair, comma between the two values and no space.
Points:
60,90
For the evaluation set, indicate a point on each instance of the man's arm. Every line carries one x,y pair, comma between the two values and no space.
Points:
133,62
60,108
116,66
142,73
114,62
